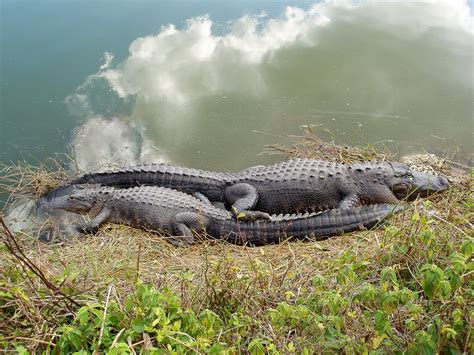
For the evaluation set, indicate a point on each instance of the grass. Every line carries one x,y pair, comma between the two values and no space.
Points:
310,145
404,288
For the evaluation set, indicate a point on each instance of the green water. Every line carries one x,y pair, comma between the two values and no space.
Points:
213,91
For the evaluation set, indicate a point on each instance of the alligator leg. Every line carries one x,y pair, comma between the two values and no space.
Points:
93,226
183,224
202,197
349,201
243,197
386,196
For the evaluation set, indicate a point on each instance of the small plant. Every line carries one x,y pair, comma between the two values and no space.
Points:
155,319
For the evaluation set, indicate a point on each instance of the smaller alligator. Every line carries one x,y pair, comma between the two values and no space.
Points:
179,214
293,186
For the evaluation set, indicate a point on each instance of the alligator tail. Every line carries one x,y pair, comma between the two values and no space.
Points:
183,179
301,226
151,174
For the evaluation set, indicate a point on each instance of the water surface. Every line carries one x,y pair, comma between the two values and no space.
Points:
209,83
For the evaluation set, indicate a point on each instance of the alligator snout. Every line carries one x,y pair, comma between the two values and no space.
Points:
443,182
425,184
437,183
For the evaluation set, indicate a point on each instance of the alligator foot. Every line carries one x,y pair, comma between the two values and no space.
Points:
86,229
246,215
182,225
46,236
180,241
93,226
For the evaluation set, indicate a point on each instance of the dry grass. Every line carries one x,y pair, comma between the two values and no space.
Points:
25,180
215,275
310,145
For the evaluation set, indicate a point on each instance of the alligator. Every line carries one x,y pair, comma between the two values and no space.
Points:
298,185
179,214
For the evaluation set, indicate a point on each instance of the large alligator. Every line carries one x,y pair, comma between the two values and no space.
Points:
179,214
288,187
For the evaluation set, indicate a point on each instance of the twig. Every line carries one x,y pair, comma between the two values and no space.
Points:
117,337
130,345
137,277
196,351
449,223
31,339
135,344
105,314
18,253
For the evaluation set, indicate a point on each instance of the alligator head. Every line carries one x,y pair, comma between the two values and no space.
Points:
73,198
409,184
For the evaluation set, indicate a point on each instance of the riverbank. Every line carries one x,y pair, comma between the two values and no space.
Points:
404,287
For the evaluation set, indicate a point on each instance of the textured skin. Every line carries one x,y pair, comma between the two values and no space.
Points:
176,213
297,185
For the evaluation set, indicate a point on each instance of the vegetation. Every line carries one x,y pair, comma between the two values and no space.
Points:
404,288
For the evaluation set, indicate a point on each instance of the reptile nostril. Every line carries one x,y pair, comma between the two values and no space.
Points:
443,181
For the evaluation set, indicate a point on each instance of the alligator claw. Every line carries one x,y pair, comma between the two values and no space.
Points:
85,229
80,229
